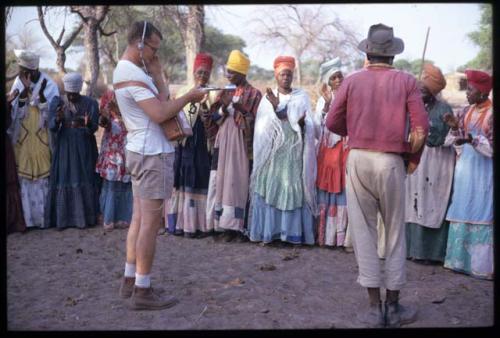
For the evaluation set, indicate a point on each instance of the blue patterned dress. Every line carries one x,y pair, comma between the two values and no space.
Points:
470,238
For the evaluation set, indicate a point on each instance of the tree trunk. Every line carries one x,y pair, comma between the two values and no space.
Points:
91,43
117,50
298,72
194,37
61,60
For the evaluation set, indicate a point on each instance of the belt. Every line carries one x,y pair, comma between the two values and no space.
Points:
73,124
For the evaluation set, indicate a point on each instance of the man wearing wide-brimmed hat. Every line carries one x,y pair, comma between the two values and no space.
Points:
377,107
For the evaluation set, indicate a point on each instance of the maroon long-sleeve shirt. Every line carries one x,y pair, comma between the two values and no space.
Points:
374,106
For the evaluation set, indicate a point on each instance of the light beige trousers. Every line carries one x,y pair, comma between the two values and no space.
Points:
375,183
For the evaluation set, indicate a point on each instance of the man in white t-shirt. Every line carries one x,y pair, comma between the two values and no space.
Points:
143,102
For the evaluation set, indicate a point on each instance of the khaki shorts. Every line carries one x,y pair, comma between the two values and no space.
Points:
152,176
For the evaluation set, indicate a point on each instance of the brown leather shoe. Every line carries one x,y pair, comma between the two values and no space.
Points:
127,287
397,314
373,317
147,299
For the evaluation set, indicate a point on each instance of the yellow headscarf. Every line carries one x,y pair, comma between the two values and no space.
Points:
238,62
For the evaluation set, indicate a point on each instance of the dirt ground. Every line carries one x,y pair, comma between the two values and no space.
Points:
69,280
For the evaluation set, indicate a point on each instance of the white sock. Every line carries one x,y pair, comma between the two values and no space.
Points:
142,281
129,270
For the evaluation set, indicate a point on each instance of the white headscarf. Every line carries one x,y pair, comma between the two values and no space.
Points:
73,82
328,68
27,59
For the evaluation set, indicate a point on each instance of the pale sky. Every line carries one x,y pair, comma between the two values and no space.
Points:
448,45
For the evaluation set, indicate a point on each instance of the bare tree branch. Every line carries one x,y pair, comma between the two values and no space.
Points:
104,33
72,37
58,42
41,19
76,10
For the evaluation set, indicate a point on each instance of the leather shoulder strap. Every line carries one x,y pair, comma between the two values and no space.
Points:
125,84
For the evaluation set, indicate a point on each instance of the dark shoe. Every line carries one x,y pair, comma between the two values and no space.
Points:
127,287
189,235
218,236
202,234
397,314
241,238
178,232
148,299
229,236
373,317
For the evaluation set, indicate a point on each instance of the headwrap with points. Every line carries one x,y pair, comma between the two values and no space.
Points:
73,82
433,78
283,62
27,59
238,62
203,59
480,80
328,68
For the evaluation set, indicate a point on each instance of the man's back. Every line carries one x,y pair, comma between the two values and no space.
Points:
372,106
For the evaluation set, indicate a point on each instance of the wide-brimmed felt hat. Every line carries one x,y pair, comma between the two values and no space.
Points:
381,41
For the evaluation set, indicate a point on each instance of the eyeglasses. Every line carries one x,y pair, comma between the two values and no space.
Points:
154,49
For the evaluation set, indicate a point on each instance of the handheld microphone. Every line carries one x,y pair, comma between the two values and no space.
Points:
227,87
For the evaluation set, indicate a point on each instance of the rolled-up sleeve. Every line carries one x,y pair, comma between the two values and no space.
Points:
418,117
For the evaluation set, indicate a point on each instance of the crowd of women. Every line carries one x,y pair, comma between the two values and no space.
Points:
256,168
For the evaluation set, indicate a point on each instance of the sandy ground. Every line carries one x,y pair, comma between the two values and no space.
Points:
69,280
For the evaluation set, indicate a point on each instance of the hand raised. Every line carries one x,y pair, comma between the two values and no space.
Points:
272,98
326,93
60,112
41,93
155,67
12,96
25,78
226,98
450,120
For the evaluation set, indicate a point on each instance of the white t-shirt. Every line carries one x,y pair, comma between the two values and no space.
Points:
144,135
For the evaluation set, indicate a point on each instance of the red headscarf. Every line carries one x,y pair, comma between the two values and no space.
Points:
203,59
283,62
480,80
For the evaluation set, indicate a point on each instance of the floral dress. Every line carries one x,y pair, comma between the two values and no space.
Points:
116,194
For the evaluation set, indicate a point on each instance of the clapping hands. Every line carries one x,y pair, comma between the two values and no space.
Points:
461,141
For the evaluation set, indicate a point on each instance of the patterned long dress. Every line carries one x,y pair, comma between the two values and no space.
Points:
331,225
428,191
470,238
32,148
74,185
14,206
186,210
232,138
283,184
116,200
